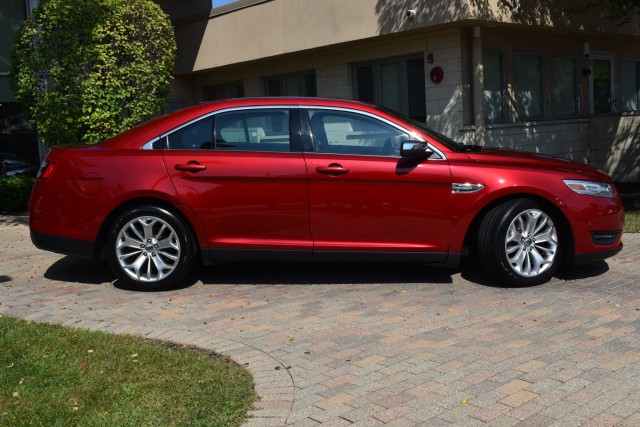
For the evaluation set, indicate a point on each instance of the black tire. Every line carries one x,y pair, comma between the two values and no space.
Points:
150,248
519,244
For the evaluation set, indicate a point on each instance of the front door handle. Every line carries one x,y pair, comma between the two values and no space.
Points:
333,169
192,166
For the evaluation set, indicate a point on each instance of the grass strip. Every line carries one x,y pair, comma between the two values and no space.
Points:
58,376
632,222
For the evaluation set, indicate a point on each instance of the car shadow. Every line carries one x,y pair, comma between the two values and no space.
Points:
583,271
472,272
321,273
75,270
8,219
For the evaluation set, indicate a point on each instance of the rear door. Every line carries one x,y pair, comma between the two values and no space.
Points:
243,174
364,198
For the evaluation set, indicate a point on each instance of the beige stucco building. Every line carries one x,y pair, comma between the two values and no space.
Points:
533,75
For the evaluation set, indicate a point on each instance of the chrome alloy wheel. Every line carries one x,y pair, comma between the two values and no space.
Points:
148,249
531,243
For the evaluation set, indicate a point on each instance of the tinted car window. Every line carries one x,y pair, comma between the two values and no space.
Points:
253,130
195,136
350,133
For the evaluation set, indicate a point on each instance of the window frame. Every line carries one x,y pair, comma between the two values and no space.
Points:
311,146
295,140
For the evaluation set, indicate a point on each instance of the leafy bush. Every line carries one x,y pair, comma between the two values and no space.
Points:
14,193
87,70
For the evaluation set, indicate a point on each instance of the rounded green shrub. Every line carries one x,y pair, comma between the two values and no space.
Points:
86,70
14,193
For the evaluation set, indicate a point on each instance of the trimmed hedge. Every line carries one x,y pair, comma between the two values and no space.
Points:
14,193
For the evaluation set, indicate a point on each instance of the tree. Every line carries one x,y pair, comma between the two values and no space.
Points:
86,70
617,11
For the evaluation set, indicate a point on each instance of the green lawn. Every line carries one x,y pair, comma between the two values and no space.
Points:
630,195
56,376
632,222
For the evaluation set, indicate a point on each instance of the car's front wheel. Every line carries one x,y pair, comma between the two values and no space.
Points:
518,243
150,248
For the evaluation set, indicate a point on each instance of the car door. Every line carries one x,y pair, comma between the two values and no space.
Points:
244,176
365,198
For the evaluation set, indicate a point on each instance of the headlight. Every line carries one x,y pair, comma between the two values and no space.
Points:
590,188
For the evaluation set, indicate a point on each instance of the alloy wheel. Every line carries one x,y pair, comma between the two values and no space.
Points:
531,243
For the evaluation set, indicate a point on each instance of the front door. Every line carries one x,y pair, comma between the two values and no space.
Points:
363,197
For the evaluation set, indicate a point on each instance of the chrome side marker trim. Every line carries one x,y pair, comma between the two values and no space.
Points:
466,187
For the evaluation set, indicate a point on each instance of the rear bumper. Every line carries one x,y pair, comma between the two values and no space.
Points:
64,245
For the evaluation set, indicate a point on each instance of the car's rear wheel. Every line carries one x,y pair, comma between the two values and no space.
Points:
150,248
518,243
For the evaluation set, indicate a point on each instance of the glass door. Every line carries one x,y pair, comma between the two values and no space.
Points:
602,98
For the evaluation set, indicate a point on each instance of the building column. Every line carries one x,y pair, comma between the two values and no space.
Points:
478,87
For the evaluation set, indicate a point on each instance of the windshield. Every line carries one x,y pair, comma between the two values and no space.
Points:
444,140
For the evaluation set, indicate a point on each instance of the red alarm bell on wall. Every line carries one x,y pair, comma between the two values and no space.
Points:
437,74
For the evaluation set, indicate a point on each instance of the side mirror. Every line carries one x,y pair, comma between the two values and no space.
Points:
415,150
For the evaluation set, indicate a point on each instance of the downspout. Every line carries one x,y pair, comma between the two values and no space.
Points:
478,86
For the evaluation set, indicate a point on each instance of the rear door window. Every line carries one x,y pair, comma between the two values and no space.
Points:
241,130
253,130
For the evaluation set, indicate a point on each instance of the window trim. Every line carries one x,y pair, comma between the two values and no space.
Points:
149,145
412,134
300,130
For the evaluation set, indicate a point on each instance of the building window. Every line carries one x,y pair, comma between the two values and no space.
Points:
565,86
630,85
220,7
230,90
303,84
396,84
494,92
529,86
12,12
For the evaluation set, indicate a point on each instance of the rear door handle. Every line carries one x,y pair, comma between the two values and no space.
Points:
332,169
192,166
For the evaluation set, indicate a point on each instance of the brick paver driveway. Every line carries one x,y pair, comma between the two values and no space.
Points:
375,344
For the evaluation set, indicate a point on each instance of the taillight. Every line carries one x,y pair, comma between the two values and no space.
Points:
47,169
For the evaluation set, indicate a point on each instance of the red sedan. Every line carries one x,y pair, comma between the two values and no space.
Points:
307,179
